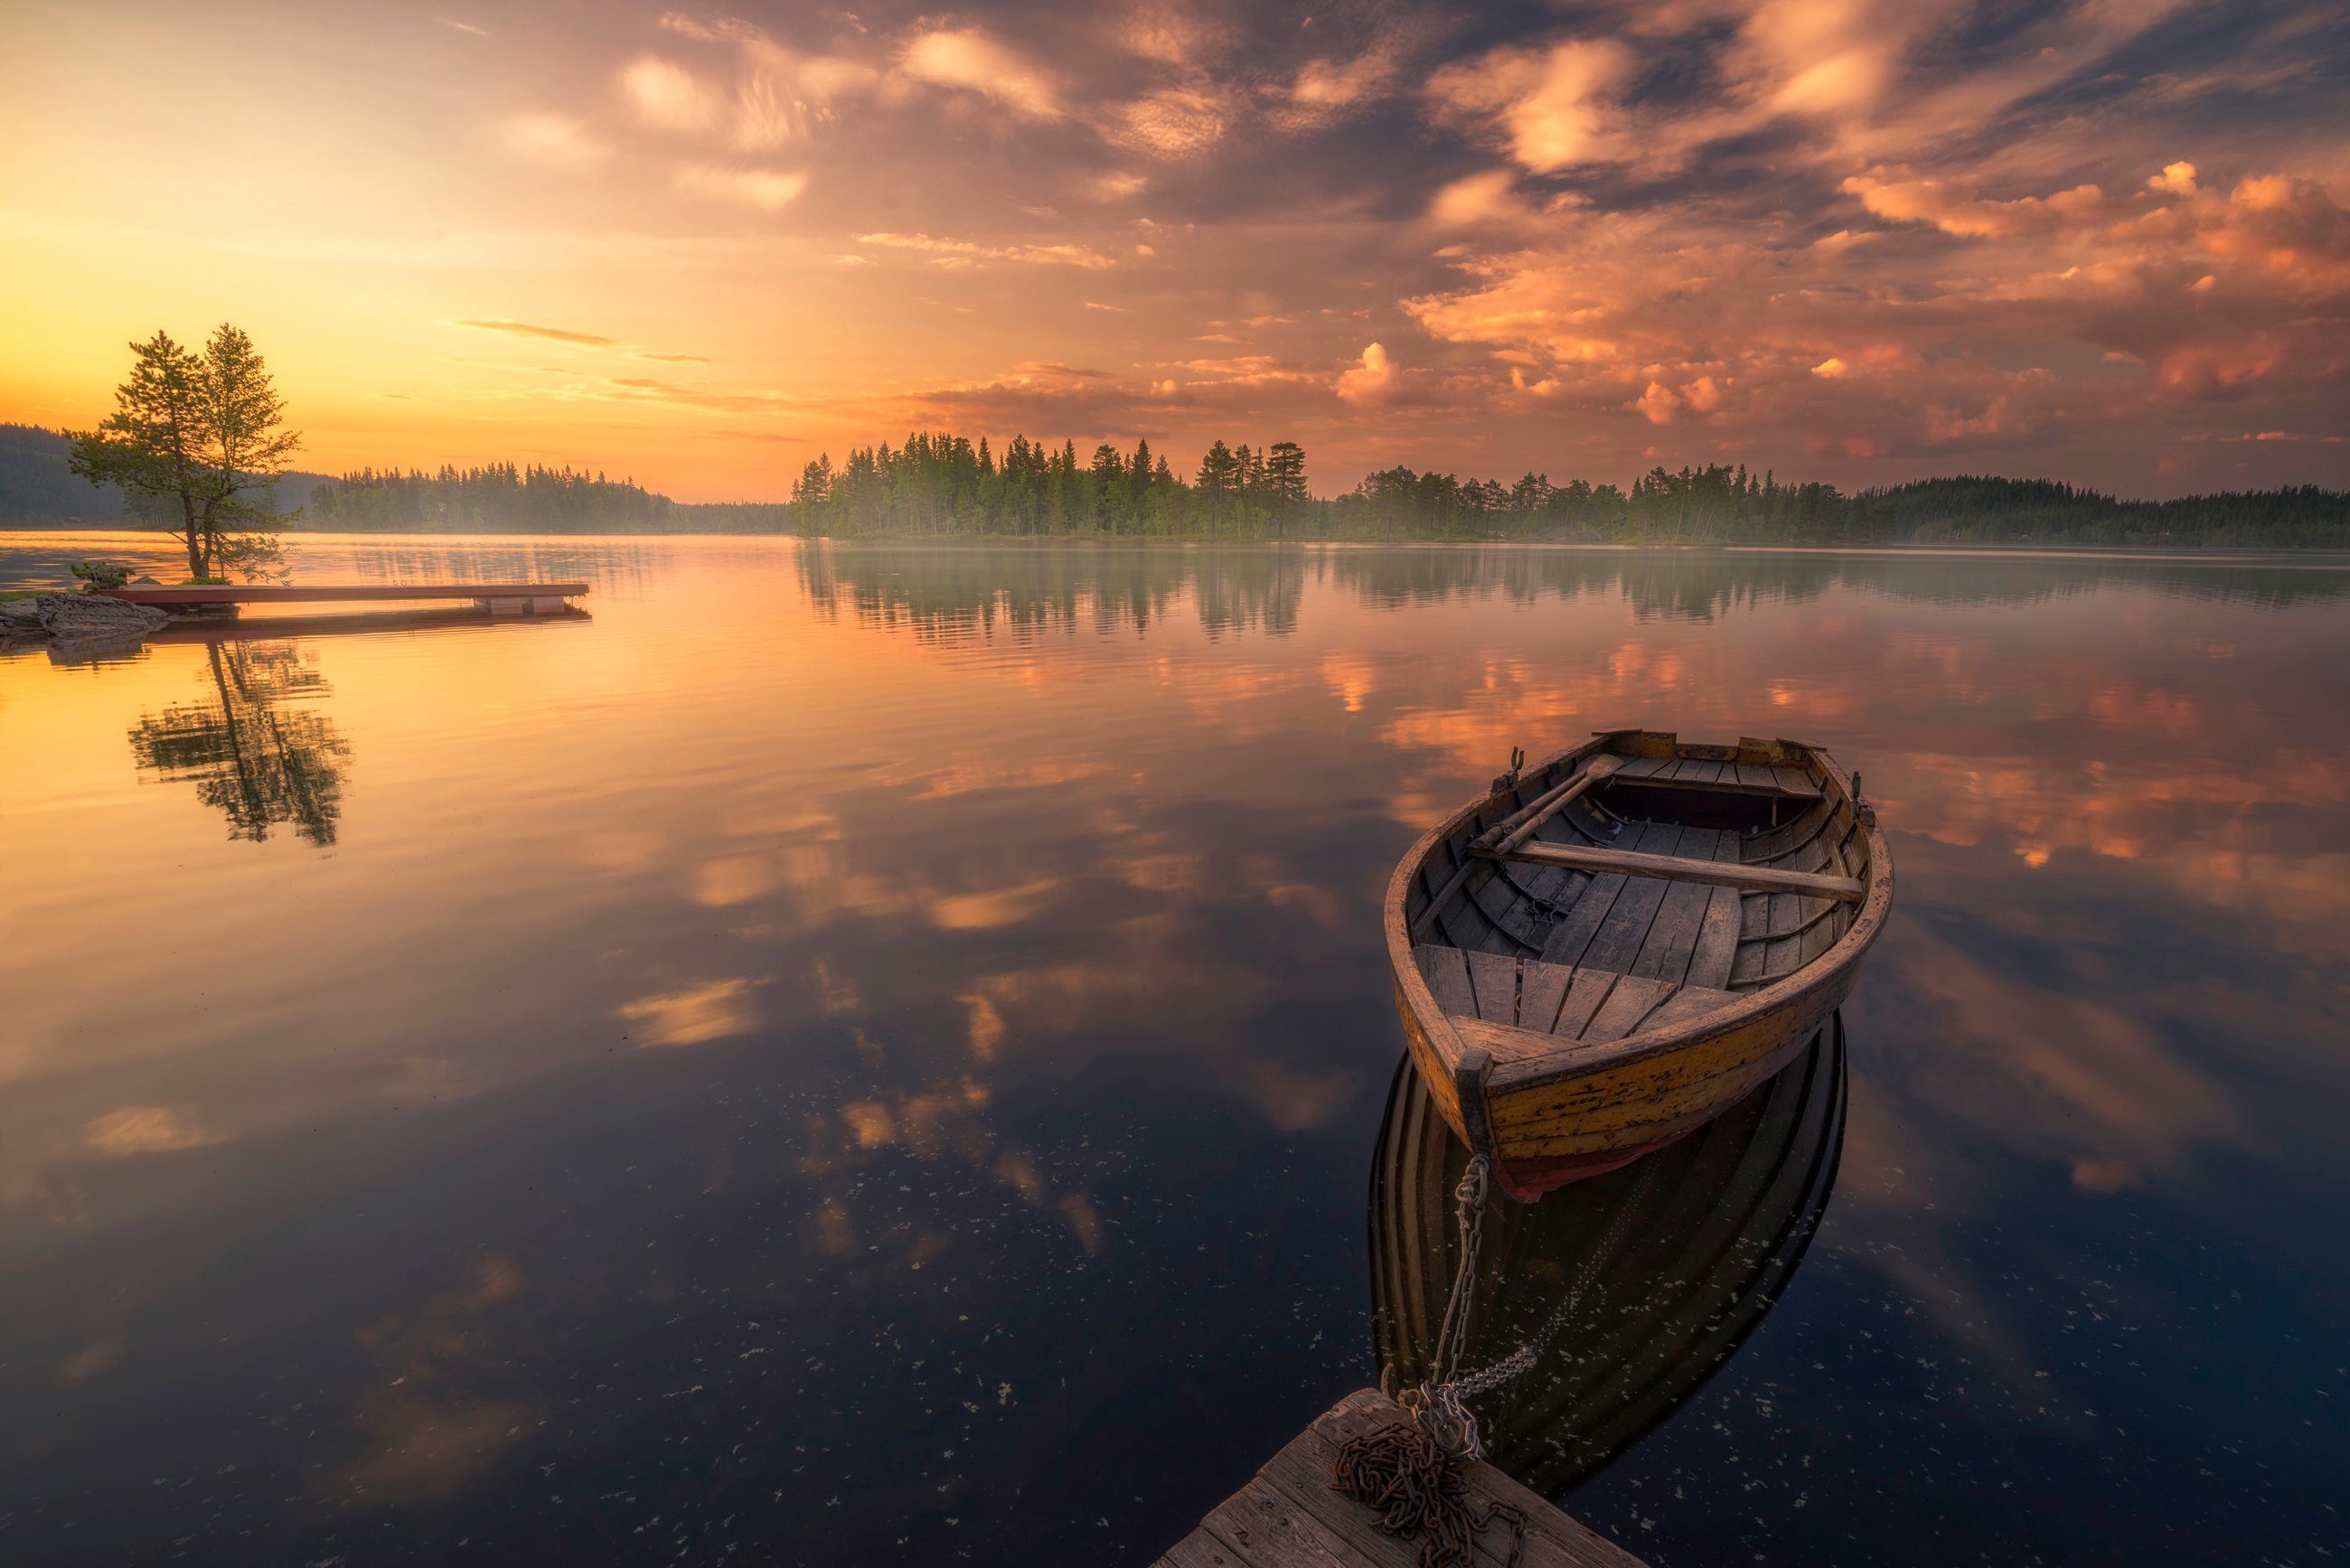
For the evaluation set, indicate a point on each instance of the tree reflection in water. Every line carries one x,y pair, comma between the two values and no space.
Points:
253,749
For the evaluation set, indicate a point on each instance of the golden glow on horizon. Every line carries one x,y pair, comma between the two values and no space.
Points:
696,250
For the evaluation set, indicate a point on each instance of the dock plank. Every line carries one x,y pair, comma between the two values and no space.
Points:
1270,1527
164,596
1287,1516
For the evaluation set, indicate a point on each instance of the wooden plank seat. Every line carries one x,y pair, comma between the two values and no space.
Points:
1764,788
1677,868
1559,1001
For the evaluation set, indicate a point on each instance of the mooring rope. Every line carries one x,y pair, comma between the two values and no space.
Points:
1415,1472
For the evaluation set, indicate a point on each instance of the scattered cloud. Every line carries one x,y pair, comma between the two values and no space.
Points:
970,60
768,190
1172,123
1970,216
553,334
967,252
1550,108
669,96
551,141
1489,197
1372,381
1327,90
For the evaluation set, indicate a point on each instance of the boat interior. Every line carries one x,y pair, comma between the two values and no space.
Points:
1638,883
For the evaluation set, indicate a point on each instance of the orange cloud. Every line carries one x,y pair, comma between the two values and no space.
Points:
1371,382
1550,108
968,59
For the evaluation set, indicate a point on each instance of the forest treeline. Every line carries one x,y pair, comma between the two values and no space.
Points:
943,486
948,486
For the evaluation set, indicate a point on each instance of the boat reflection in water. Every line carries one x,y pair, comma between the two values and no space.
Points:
1670,1261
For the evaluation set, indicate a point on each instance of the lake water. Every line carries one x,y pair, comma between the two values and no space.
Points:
873,1055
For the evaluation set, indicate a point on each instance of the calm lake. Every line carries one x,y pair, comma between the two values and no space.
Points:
875,1056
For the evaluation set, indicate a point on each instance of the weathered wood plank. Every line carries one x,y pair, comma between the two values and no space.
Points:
1554,1539
1288,1516
1727,783
1717,938
1271,1529
315,593
1446,970
1583,997
1572,935
1627,1005
1495,979
1672,939
1690,1002
1673,868
1542,987
1199,1550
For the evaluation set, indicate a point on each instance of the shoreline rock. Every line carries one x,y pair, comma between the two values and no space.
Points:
73,622
70,618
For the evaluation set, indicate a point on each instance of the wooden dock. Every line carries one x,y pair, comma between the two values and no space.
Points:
499,599
1289,1518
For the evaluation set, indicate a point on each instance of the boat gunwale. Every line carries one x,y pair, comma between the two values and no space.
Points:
1546,1060
1429,1032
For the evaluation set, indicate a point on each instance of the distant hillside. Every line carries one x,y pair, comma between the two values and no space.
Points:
1985,510
38,489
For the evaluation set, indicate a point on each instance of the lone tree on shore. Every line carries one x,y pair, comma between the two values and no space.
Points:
189,435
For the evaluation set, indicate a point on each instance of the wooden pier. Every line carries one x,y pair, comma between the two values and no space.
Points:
1289,1518
498,599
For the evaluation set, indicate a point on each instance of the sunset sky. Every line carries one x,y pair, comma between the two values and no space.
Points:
1855,239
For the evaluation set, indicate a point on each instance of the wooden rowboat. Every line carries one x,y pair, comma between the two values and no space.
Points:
1612,948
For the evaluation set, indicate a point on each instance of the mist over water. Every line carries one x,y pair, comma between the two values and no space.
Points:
876,1055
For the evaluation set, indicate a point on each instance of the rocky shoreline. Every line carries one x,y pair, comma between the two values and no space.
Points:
78,623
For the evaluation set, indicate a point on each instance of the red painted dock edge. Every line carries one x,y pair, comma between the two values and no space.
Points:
499,599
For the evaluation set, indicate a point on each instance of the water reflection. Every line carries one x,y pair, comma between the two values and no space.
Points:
949,595
1662,1268
914,1017
956,595
255,747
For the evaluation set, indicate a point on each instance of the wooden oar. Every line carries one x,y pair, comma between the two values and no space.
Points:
1519,827
1602,769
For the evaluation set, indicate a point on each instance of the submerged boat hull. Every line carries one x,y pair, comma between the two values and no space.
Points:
1610,949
